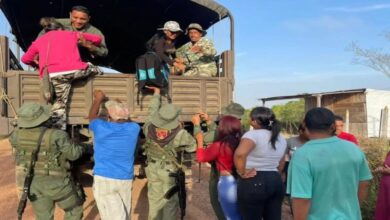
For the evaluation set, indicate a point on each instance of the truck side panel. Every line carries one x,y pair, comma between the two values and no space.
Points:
192,94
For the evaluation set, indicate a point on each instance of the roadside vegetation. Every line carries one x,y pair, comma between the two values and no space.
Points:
376,150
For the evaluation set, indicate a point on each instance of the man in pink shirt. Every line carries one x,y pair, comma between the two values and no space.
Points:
339,123
59,58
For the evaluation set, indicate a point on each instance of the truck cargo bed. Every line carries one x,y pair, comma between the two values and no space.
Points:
192,94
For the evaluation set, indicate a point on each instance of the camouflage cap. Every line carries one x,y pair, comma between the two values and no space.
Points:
171,26
166,117
32,114
234,109
197,27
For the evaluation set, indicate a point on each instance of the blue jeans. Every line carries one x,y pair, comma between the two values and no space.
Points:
227,196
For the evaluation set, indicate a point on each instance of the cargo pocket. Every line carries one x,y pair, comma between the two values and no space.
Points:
73,198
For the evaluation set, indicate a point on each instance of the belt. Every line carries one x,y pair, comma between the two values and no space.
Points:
50,173
155,161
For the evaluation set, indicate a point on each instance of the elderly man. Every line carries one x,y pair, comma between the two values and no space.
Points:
198,54
115,141
52,183
78,20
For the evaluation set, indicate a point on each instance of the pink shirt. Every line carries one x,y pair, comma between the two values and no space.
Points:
63,54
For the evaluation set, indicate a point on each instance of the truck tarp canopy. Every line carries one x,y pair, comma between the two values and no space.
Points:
127,25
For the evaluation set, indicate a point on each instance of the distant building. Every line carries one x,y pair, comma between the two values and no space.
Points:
365,111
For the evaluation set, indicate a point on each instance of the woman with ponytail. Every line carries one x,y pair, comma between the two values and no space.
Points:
221,151
258,159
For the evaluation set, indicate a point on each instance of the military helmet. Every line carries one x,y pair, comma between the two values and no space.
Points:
32,114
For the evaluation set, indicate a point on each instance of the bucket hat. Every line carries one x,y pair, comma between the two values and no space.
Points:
32,114
166,117
197,27
234,109
171,26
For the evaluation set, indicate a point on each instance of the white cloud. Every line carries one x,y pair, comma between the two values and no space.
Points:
366,8
323,22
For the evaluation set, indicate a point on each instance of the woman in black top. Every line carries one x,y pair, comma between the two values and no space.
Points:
163,44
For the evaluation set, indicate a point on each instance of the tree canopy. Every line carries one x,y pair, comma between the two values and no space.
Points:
290,114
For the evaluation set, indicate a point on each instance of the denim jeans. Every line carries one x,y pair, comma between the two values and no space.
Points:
113,197
261,197
227,195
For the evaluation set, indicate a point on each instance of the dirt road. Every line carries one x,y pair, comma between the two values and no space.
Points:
198,205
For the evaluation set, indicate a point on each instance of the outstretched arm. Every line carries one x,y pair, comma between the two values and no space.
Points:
93,38
29,57
154,105
98,99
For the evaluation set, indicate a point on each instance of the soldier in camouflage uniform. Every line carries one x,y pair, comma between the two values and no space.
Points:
52,183
235,110
164,140
198,54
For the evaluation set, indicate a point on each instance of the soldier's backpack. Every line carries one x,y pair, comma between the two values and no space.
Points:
151,72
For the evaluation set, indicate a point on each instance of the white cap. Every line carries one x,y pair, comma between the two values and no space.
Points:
171,26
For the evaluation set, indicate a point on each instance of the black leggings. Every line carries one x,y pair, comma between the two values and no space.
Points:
261,197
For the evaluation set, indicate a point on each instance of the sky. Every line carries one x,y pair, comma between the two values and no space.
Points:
286,47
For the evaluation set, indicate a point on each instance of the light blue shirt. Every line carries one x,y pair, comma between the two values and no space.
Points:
114,147
328,171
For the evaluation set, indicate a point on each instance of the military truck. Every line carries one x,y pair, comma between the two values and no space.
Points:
127,25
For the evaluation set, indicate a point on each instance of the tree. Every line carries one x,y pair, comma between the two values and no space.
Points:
246,120
373,58
290,114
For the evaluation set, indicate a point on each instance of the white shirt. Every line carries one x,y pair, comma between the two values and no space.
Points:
264,157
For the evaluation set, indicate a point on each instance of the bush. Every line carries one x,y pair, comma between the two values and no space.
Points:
375,150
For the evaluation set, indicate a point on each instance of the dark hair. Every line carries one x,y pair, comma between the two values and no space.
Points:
80,8
50,24
338,118
301,127
229,131
319,119
267,120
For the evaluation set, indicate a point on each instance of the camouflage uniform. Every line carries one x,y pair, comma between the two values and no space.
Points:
201,63
52,183
160,162
237,111
62,85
